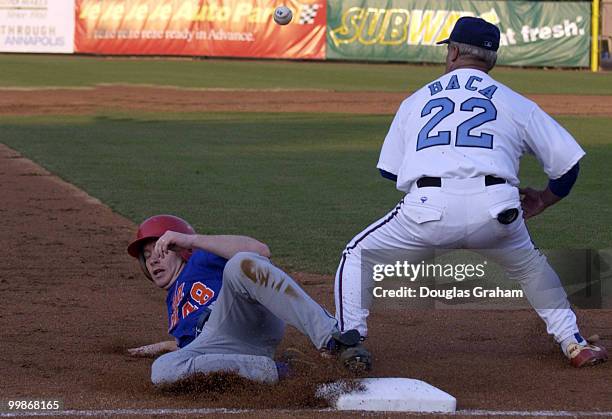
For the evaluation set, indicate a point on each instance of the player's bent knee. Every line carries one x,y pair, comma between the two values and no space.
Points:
169,368
240,264
532,264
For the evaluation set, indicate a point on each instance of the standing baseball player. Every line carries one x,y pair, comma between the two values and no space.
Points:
454,148
228,305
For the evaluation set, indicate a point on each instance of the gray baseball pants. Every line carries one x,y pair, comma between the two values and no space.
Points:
247,323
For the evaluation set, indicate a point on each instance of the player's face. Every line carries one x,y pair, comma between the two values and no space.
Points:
164,271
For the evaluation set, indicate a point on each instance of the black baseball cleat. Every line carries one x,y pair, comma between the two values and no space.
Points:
347,346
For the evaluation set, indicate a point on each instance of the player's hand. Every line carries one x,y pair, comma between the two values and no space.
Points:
532,202
152,350
171,240
142,351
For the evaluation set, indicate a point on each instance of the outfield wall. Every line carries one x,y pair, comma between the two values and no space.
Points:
234,28
43,26
533,33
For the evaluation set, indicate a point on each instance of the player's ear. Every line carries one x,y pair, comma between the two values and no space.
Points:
143,266
453,52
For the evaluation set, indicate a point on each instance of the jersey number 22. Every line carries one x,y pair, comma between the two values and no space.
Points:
464,138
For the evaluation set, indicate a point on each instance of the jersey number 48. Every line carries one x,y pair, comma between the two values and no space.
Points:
464,137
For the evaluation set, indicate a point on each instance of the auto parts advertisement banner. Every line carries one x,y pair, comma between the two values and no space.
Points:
223,28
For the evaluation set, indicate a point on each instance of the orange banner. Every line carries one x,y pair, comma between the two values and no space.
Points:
222,28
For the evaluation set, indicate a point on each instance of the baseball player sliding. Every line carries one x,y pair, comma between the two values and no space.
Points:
454,148
228,305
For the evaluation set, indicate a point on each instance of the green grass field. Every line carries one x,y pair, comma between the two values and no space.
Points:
303,183
30,70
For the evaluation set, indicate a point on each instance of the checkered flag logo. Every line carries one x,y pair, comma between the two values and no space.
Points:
308,14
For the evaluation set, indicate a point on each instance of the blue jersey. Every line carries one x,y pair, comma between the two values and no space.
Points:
196,287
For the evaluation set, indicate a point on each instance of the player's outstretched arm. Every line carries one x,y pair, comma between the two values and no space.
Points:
224,246
154,349
227,246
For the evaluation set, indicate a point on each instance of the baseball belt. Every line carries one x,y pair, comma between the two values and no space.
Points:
505,217
436,182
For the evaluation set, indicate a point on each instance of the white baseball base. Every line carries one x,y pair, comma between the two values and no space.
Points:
389,394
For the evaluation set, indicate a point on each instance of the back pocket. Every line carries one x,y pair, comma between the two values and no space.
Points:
420,213
502,198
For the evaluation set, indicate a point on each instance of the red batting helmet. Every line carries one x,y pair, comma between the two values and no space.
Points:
152,229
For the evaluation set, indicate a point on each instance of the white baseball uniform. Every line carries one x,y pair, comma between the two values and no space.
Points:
460,128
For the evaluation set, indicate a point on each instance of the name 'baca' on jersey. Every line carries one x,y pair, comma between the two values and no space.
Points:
465,124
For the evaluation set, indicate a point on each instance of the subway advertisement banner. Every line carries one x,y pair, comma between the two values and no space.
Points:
532,33
222,28
43,26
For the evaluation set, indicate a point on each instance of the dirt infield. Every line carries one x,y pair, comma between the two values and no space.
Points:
117,97
74,302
